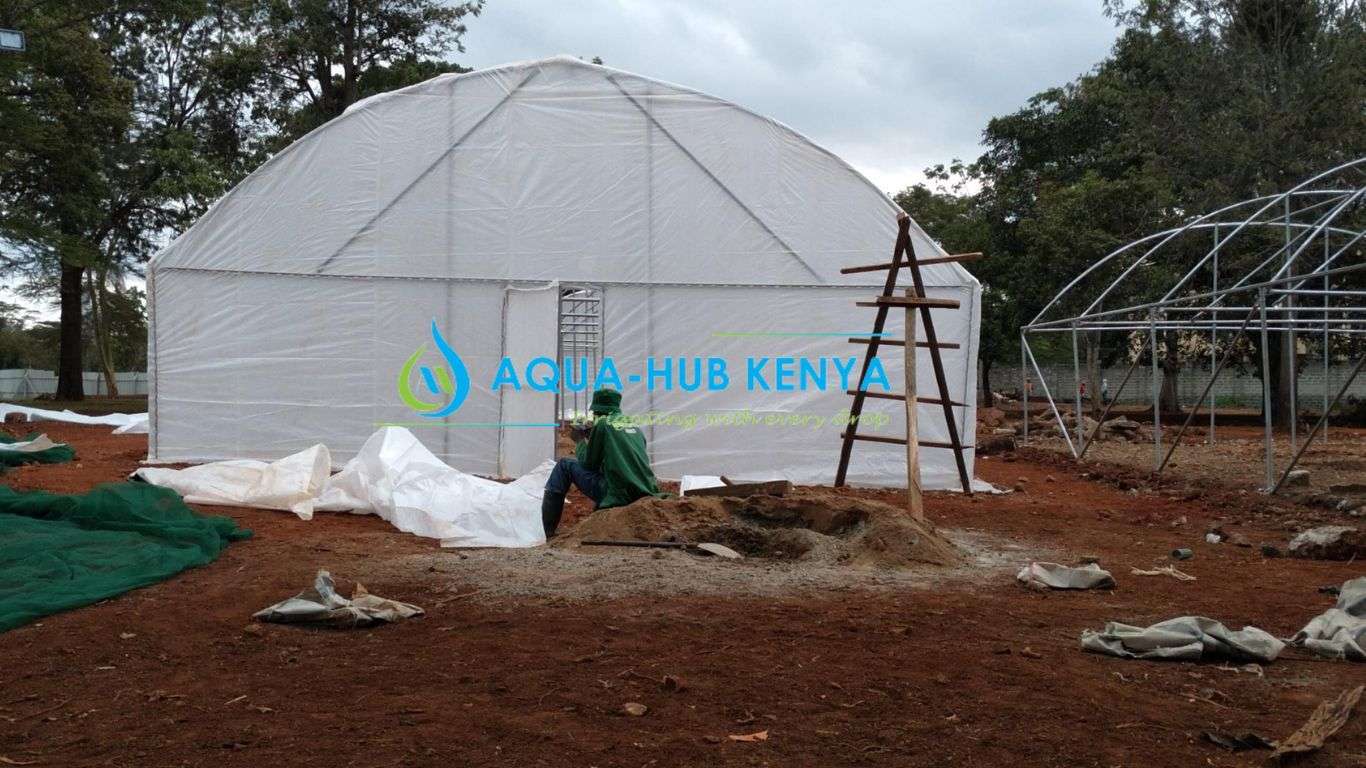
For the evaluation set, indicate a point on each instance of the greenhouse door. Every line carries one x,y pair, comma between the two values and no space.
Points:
527,431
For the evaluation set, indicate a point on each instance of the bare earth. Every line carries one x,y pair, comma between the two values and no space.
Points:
526,658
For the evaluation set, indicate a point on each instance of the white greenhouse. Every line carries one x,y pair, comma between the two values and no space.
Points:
543,209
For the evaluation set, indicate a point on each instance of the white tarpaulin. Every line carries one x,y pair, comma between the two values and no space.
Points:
393,476
126,422
39,443
292,483
397,478
286,314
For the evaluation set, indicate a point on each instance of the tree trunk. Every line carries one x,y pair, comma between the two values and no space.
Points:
1170,364
987,399
99,319
1280,380
1092,341
69,374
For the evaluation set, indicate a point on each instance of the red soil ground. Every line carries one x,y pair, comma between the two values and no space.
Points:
979,674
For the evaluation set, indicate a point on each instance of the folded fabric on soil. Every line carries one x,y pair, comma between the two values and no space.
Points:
1186,638
1340,631
291,484
59,552
393,476
1045,576
126,423
34,449
396,477
320,605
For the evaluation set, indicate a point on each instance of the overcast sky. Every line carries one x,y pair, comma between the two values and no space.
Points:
892,86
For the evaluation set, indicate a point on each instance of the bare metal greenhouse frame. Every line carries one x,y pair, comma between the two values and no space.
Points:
1306,243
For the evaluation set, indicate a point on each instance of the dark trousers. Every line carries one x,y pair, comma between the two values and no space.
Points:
569,471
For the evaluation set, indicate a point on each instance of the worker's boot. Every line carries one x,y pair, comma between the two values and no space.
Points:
552,507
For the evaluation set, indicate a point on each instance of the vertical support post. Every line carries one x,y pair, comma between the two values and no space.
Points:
1024,388
1327,286
1266,393
915,503
1157,394
1076,386
1292,358
1213,334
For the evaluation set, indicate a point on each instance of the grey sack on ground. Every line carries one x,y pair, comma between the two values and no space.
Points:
1186,638
322,606
1340,631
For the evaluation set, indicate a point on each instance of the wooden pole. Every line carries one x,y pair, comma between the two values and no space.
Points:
915,502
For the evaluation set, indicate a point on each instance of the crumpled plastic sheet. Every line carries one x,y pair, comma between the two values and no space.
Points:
126,423
321,605
1185,638
396,477
1044,576
37,444
1340,631
393,475
291,484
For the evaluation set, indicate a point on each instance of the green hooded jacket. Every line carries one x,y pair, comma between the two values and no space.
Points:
617,452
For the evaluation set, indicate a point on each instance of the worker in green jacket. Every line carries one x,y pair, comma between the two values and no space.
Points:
611,466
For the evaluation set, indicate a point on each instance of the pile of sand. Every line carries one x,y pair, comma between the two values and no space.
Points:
806,526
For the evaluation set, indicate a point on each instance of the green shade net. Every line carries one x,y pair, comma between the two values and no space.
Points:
63,551
58,454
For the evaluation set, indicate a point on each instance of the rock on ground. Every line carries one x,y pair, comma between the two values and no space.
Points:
1329,542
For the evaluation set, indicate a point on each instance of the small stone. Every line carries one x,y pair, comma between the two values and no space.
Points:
1018,488
1050,479
126,635
634,709
255,630
1297,477
1030,653
1270,550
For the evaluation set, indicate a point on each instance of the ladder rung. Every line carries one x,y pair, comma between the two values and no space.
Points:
900,441
902,343
922,263
902,398
911,302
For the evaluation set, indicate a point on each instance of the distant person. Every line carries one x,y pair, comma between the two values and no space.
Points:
610,466
1081,390
1104,391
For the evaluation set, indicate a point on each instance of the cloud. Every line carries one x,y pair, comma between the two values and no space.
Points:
892,87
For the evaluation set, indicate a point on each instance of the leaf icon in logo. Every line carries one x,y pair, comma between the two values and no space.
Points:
456,384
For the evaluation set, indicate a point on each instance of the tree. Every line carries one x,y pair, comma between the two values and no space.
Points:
63,107
953,214
1201,103
318,57
124,122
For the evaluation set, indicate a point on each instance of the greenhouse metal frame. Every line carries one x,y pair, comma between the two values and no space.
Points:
1296,288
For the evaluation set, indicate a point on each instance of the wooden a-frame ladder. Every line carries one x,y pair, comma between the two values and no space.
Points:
903,257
